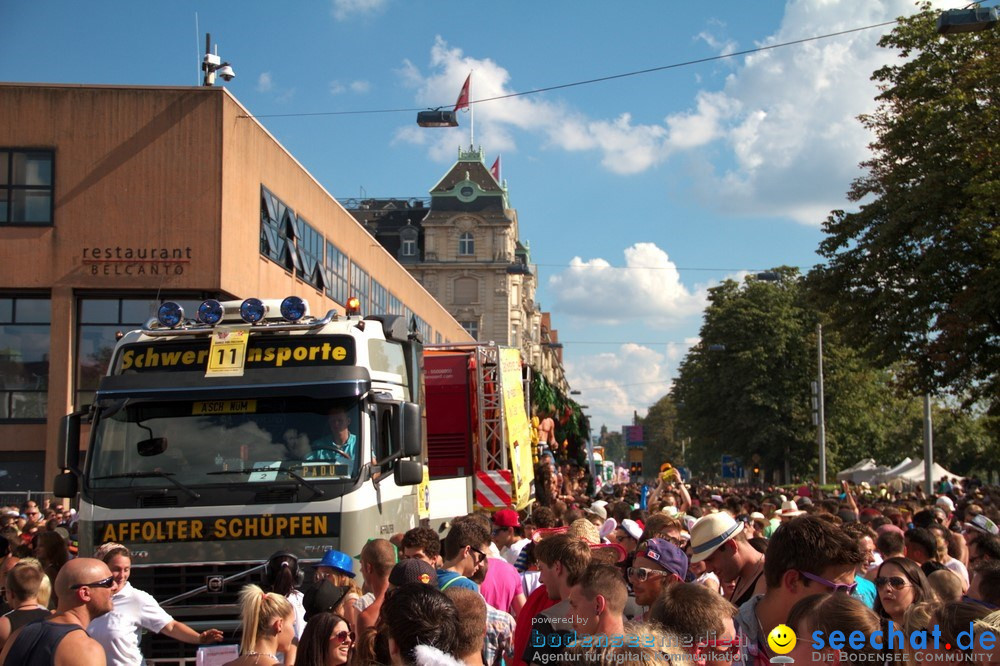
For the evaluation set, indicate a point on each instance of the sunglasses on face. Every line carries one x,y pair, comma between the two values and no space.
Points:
104,582
897,582
343,636
481,554
642,574
836,587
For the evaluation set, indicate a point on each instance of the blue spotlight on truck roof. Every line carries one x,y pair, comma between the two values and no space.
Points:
170,314
211,312
252,310
294,308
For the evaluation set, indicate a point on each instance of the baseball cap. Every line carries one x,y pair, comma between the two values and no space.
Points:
667,555
506,518
945,503
597,509
323,598
632,528
413,571
337,560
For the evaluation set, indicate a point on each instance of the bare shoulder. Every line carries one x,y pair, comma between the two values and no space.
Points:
79,649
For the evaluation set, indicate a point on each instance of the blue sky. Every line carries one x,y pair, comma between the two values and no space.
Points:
636,194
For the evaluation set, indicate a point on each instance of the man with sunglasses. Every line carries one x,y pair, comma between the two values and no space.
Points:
84,587
806,556
657,564
465,550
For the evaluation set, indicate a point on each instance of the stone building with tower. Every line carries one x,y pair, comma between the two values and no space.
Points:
463,245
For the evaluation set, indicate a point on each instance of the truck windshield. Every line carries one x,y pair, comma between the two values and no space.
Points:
137,444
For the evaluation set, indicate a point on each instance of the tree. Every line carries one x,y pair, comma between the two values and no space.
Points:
660,434
614,446
913,276
745,390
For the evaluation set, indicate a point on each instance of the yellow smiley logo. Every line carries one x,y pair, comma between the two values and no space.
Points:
781,640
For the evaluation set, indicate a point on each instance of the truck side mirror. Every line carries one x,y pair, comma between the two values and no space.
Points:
411,430
68,454
65,485
408,472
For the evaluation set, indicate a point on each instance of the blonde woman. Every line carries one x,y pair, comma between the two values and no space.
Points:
267,621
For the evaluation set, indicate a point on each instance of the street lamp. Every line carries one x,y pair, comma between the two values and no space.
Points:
975,19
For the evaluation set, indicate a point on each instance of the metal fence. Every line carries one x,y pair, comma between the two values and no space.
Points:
20,497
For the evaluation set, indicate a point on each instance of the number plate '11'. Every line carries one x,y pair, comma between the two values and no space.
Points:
228,353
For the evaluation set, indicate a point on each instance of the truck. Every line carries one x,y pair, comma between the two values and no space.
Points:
477,424
217,441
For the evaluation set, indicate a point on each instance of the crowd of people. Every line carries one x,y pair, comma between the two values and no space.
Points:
674,572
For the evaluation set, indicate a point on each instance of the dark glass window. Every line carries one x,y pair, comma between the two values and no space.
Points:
472,328
310,246
100,320
380,298
277,230
25,186
337,274
395,307
466,245
24,358
360,287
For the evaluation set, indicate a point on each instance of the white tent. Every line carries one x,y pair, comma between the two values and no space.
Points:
865,470
914,472
892,472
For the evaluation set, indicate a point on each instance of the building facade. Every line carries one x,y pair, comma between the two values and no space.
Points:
463,245
115,198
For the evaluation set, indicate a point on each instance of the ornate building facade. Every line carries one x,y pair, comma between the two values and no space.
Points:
463,245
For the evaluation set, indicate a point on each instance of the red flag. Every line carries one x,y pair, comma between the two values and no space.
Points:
495,169
463,97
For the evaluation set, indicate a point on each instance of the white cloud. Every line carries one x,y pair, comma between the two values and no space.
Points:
264,82
616,384
783,127
788,116
625,147
345,9
648,289
356,87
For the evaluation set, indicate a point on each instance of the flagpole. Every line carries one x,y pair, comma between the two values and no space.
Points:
472,117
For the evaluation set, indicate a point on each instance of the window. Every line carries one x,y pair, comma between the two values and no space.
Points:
472,328
466,291
424,329
310,248
466,245
395,307
337,274
360,288
24,358
408,242
277,231
25,186
380,296
100,319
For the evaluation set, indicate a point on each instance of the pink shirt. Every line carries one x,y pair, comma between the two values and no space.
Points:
501,585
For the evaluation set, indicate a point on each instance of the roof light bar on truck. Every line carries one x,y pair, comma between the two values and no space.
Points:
211,312
294,308
253,310
170,314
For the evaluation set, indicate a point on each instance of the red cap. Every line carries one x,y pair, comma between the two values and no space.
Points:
506,518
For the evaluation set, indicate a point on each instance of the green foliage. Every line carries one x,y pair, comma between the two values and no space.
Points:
614,446
745,390
913,276
571,424
660,434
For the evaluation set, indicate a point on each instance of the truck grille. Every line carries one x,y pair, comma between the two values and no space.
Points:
205,610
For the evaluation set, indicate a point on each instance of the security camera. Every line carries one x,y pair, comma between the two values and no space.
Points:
226,72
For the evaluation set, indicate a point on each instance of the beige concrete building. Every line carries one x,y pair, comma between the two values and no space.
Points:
115,198
464,246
